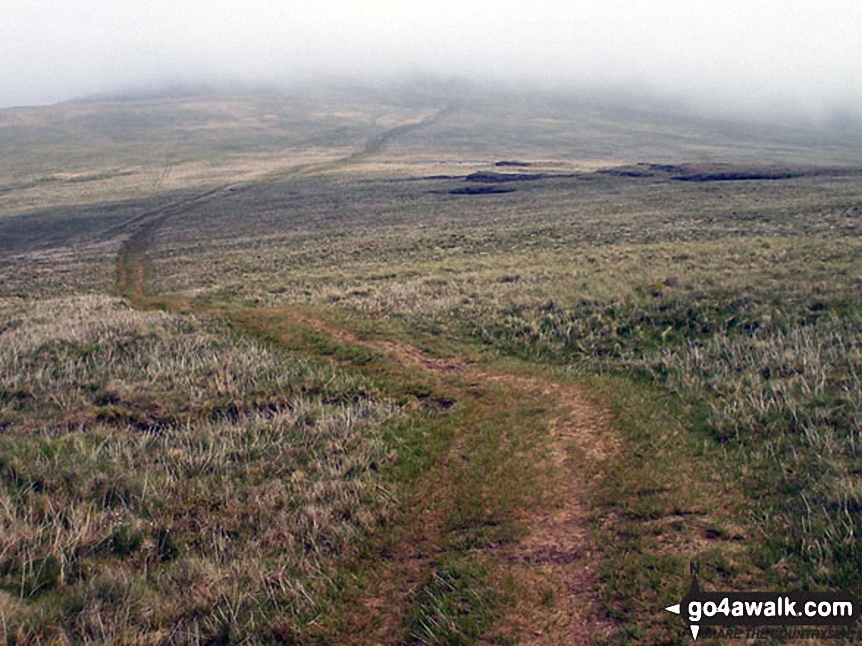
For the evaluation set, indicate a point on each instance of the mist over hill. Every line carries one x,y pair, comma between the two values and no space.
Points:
768,59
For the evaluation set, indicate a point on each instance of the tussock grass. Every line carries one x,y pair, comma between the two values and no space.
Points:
162,473
738,301
55,273
159,481
452,606
788,404
392,248
107,359
770,381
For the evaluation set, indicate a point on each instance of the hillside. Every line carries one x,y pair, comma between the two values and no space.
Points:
419,366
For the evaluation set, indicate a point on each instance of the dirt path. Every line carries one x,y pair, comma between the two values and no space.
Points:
131,260
558,552
553,560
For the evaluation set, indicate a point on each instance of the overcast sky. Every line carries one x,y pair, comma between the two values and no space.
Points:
788,54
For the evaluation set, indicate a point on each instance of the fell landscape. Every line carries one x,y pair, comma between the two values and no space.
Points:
420,363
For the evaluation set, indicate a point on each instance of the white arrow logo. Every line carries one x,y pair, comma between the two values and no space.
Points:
676,610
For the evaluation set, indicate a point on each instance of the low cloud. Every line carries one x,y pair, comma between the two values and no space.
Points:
785,57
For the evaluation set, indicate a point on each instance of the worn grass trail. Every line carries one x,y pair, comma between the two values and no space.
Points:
493,540
132,257
501,498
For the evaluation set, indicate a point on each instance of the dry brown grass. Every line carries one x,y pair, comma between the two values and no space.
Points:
159,482
163,473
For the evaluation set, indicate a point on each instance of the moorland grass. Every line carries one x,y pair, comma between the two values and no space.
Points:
167,473
737,304
161,478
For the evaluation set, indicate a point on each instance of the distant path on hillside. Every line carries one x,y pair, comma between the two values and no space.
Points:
131,259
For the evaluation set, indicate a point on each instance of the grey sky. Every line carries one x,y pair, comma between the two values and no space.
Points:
786,54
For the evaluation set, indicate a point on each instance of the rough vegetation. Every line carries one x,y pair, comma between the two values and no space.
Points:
164,479
366,386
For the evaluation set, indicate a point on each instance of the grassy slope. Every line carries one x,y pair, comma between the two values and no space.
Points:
599,274
154,468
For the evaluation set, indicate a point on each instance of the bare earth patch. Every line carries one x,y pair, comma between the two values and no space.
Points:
555,562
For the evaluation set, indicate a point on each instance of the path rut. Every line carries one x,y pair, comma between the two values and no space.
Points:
557,551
